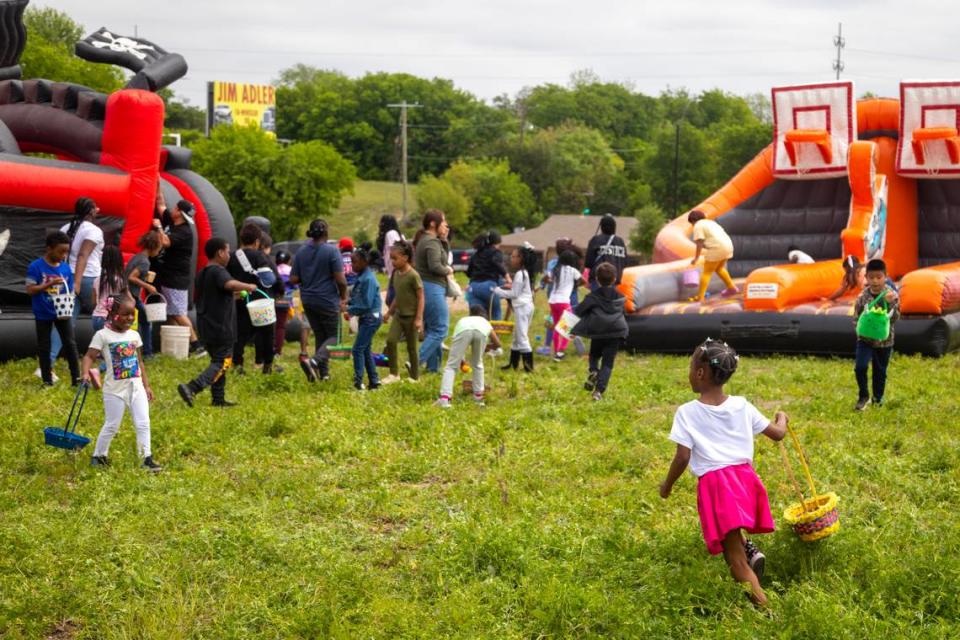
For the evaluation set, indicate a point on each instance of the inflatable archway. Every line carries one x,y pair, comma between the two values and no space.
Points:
106,147
868,178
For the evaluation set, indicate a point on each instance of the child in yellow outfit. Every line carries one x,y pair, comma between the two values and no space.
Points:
717,249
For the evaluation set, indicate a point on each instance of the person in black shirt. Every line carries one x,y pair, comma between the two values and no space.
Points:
246,270
217,319
485,271
606,246
174,265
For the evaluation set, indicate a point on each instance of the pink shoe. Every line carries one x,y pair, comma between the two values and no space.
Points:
726,293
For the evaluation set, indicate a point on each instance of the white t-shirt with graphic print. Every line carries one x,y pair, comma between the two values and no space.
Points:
119,351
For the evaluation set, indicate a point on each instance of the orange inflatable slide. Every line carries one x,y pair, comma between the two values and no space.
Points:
874,178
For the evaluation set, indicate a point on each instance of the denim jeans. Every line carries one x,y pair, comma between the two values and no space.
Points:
880,358
480,293
436,322
85,300
363,350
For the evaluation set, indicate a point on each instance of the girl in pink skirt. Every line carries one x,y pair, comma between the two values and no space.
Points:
714,435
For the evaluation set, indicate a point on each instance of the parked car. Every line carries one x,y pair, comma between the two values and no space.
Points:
461,258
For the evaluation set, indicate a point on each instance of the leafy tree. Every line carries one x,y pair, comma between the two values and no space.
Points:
498,198
240,161
259,177
437,193
651,219
353,116
51,36
565,167
310,179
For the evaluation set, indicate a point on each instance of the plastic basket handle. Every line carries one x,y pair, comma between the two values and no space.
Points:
81,398
260,291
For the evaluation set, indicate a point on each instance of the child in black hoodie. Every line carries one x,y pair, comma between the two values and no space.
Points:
602,320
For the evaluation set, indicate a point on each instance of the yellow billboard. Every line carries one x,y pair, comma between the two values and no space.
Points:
242,104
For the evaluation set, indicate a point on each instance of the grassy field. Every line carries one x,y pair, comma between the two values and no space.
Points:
316,511
371,199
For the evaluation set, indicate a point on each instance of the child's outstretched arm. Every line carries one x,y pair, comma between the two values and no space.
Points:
680,460
777,429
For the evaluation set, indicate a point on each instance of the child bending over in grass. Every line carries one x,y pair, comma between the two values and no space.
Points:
714,435
125,385
471,332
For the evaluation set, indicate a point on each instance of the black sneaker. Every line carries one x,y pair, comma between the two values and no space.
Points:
223,403
591,382
307,368
99,461
597,396
755,558
409,368
197,350
150,465
861,404
877,402
186,394
558,357
359,386
373,386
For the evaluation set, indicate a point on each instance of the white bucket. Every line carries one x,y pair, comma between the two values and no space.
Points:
175,341
156,310
566,323
262,312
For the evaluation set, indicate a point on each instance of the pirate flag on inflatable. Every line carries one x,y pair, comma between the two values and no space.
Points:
154,67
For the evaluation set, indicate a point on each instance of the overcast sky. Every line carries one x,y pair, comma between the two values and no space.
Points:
489,47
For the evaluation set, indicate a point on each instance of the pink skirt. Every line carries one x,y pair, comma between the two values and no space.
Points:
731,498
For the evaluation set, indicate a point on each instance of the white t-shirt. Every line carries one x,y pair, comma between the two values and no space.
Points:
520,291
86,231
563,287
390,239
119,351
473,323
720,436
799,257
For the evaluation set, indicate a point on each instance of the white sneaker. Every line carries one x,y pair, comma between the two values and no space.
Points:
390,379
443,403
53,375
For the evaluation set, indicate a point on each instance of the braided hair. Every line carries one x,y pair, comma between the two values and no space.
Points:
720,357
82,209
529,261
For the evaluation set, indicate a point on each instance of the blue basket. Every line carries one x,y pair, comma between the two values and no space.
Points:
66,437
63,439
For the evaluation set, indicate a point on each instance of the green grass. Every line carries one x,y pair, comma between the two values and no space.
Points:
370,200
314,511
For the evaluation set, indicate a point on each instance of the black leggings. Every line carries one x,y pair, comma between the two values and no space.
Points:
65,329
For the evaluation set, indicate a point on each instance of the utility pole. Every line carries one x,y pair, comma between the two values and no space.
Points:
839,42
403,106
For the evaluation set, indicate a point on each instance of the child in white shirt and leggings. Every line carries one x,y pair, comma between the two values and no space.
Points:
470,333
523,261
125,384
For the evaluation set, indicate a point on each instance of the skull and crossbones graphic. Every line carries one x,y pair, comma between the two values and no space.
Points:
123,44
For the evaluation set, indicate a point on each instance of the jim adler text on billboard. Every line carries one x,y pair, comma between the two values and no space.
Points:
242,104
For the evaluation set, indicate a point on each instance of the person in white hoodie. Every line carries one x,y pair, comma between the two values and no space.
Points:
523,261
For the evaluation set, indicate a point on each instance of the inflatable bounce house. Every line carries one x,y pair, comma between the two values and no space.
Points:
89,144
874,178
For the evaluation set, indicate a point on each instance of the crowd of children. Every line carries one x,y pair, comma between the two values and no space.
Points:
713,433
